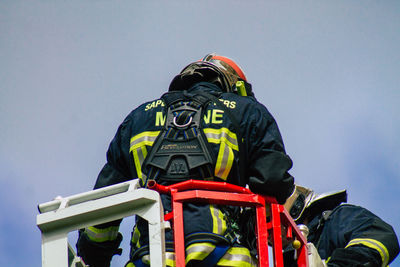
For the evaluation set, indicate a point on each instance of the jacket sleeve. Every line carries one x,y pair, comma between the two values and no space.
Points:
360,237
97,244
118,168
267,159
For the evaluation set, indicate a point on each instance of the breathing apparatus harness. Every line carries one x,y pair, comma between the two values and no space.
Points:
181,150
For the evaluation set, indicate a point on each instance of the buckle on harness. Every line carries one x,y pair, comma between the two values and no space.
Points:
184,125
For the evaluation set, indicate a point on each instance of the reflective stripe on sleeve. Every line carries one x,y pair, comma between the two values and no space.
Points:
228,142
102,235
138,148
145,138
224,161
374,244
217,135
138,156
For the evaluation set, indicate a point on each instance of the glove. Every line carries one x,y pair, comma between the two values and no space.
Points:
97,254
354,256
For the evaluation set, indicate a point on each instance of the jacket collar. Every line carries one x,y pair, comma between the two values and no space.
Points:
206,86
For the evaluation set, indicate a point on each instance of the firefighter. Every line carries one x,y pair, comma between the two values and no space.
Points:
344,234
208,126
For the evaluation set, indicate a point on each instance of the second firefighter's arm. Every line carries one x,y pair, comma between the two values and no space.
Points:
366,239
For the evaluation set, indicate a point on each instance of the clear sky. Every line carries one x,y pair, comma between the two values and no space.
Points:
70,71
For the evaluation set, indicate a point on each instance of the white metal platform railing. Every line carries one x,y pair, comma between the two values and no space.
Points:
63,215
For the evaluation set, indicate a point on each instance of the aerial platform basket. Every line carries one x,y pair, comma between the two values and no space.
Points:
63,215
222,193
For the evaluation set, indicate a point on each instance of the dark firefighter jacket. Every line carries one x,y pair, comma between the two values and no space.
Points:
350,235
266,165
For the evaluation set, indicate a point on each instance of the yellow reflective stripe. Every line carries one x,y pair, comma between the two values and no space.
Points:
237,257
146,259
102,235
228,142
216,136
214,215
228,161
141,155
138,163
145,137
135,237
138,148
218,166
234,257
138,145
198,251
374,244
170,259
221,217
224,161
219,223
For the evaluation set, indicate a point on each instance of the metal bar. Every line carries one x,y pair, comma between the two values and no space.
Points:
179,238
262,236
97,211
302,252
221,198
209,185
54,249
86,196
88,209
277,235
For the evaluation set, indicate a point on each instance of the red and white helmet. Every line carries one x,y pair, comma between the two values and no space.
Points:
212,68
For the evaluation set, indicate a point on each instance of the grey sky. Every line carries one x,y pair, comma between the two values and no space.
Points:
70,71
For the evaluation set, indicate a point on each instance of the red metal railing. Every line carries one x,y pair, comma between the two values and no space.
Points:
229,194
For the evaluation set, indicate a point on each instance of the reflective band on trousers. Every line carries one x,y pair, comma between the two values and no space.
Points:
219,223
136,237
169,259
237,256
228,142
138,148
198,251
102,235
374,244
234,257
